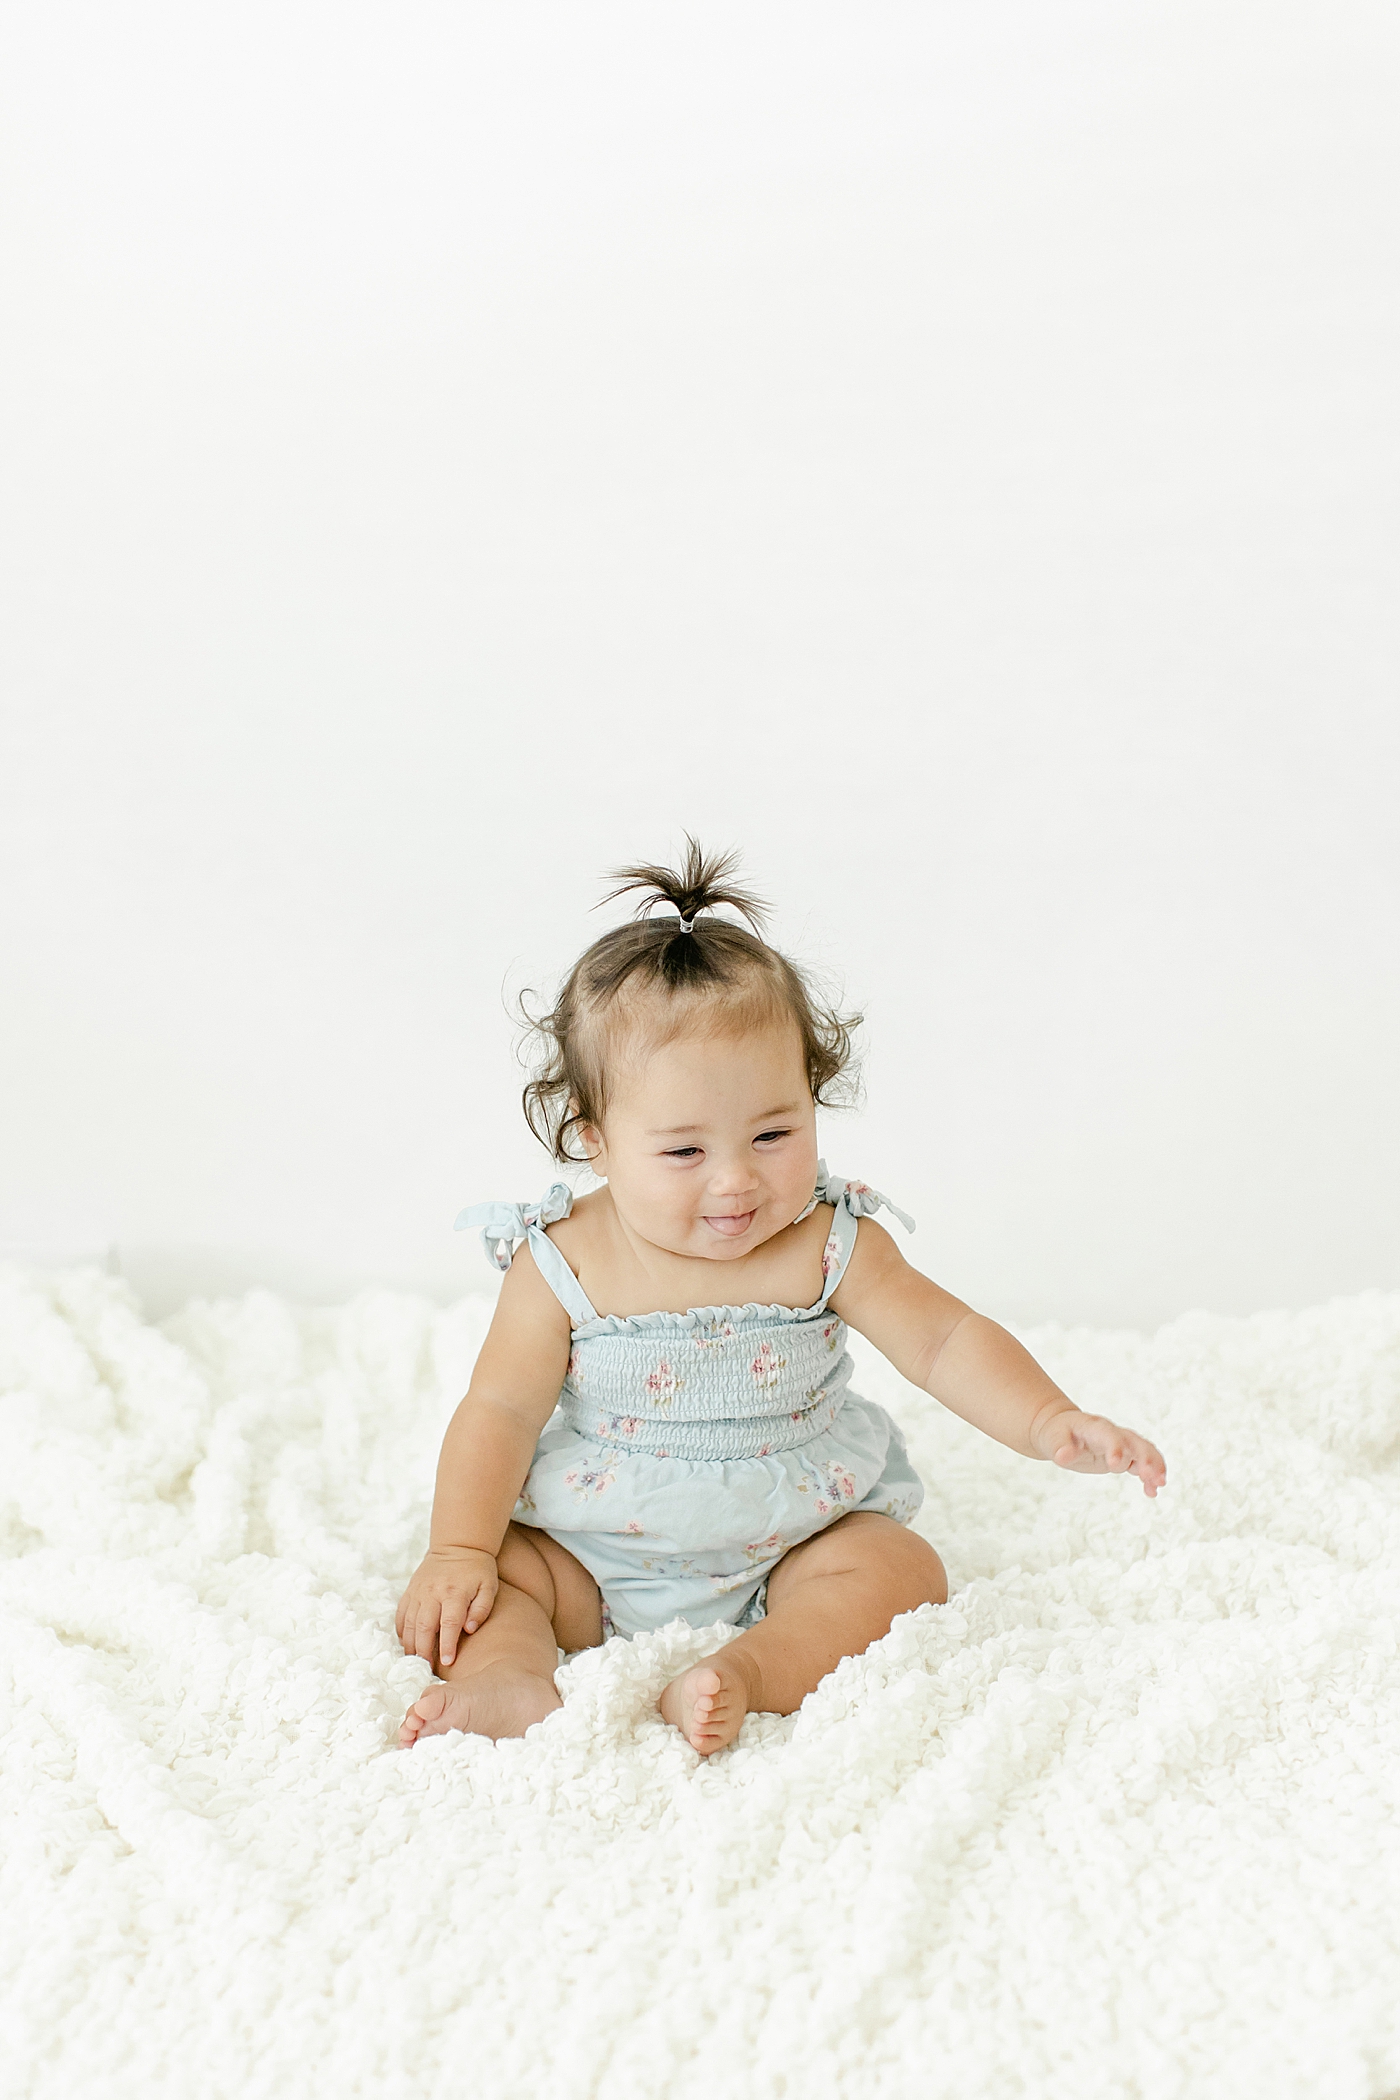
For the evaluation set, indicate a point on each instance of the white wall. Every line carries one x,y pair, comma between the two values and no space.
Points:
948,452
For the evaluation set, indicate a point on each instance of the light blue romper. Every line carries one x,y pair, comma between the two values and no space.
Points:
690,1450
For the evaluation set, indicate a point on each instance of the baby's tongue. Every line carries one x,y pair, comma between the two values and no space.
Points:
732,1227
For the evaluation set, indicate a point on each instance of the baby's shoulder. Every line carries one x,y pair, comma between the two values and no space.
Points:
585,1227
874,1268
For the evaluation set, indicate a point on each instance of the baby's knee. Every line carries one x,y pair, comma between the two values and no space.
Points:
929,1575
914,1571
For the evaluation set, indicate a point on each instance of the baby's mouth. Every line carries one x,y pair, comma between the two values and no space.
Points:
734,1227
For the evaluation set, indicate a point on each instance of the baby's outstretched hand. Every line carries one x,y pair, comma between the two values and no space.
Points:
452,1592
1092,1444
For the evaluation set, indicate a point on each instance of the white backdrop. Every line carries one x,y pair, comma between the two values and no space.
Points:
947,452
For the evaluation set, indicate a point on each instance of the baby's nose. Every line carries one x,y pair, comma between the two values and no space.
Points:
733,1180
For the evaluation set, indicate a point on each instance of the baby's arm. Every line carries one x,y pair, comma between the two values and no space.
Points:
976,1368
486,1454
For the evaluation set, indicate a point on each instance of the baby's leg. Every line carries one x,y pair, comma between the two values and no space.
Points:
830,1597
503,1676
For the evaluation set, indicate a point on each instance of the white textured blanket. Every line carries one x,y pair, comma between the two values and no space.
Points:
1117,1820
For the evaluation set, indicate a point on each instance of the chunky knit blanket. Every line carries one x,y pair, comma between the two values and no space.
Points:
1118,1820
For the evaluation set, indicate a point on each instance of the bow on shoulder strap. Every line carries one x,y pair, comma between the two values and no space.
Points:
502,1224
863,1200
860,1198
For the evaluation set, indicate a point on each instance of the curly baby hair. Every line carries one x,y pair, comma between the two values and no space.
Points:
669,976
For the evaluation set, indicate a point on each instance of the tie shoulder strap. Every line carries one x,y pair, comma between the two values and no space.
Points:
853,1200
502,1224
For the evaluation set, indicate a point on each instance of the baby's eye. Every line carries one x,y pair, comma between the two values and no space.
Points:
683,1152
765,1135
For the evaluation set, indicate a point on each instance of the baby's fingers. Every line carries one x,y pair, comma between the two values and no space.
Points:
465,1614
454,1612
1149,1465
479,1610
425,1630
404,1620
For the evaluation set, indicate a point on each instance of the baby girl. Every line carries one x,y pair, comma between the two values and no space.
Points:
660,1423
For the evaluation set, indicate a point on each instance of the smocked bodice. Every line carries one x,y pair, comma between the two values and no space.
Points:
714,1382
736,1382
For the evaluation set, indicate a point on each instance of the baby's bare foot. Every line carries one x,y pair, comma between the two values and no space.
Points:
707,1704
495,1701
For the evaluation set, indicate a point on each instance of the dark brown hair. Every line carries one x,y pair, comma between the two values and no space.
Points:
716,975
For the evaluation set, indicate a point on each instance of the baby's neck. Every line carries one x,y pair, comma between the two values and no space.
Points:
623,1273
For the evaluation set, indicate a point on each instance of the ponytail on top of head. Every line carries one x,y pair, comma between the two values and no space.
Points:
700,885
669,974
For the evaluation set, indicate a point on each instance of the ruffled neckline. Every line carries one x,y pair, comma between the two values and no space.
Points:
651,1322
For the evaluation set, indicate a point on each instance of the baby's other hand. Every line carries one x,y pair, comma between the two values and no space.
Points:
452,1592
1092,1444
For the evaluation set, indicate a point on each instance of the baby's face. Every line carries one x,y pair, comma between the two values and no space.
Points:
711,1142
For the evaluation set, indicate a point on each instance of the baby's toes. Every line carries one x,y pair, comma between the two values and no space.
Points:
421,1713
707,1705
